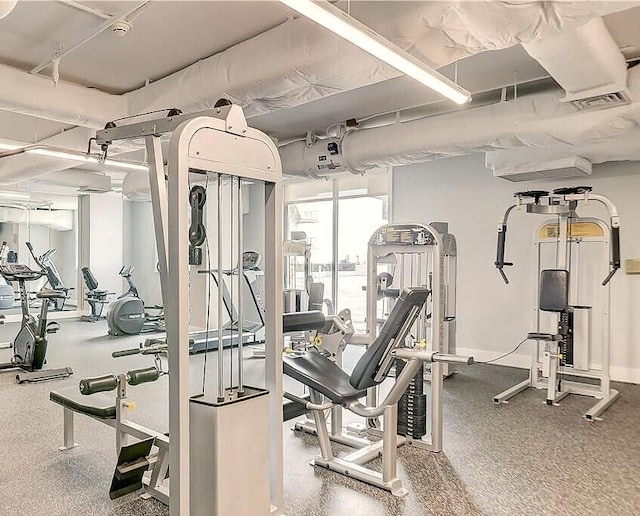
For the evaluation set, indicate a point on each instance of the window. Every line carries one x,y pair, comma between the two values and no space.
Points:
338,247
358,218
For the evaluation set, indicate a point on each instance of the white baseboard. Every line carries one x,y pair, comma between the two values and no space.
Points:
523,361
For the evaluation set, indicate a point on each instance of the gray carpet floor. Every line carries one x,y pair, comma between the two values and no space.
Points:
523,458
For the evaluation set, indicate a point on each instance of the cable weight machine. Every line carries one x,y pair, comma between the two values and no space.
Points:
209,431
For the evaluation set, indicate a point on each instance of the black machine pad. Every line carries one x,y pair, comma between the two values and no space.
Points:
302,321
554,290
366,369
322,375
132,464
97,405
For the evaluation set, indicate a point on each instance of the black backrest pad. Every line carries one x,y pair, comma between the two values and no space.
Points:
89,279
364,373
554,290
316,296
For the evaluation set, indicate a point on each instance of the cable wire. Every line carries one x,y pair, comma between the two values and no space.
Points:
206,335
505,355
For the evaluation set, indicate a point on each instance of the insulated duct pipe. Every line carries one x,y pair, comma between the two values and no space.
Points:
292,64
538,120
299,61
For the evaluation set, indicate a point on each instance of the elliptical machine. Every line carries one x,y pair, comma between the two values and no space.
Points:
128,314
45,262
30,344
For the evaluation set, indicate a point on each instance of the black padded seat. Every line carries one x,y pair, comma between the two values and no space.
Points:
322,375
303,321
48,293
97,405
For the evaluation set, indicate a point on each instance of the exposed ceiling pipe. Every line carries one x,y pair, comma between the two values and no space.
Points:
66,103
293,64
585,61
85,8
538,120
623,148
297,62
83,180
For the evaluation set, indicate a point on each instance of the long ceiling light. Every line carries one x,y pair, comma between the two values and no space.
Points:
9,146
54,153
340,23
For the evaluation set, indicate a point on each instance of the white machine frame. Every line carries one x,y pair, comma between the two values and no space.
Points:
154,481
545,369
217,141
436,253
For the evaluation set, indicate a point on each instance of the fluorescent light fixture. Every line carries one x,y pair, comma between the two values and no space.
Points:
8,194
340,23
9,146
54,153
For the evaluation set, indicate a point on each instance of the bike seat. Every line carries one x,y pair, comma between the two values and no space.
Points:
48,293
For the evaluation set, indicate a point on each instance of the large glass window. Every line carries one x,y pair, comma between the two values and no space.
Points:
315,221
338,247
358,218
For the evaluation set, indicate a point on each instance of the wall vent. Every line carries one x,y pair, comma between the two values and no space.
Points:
93,189
608,100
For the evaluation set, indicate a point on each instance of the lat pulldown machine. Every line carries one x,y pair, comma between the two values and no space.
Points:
571,252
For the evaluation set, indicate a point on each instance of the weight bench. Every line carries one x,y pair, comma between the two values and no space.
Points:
330,387
134,460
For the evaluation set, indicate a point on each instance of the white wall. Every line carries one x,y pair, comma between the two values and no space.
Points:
105,239
494,317
140,250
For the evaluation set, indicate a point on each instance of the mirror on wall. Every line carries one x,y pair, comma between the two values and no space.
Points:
51,230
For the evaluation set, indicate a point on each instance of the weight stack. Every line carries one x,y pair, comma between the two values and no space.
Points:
412,407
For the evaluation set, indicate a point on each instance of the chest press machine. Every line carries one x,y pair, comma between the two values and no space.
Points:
330,387
581,247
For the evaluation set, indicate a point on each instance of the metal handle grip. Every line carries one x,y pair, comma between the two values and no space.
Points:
125,352
98,384
615,254
452,359
500,263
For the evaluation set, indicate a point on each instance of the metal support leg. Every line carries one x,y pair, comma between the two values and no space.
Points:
552,386
321,427
69,431
389,448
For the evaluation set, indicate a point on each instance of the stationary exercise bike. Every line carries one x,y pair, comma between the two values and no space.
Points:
128,315
30,345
